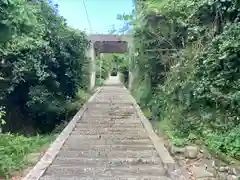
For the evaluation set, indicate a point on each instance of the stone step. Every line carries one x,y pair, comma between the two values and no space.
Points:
117,96
107,115
108,120
120,177
99,131
110,154
100,141
136,130
110,113
111,108
115,101
85,171
104,105
110,136
131,135
88,125
84,147
114,95
120,98
112,129
98,162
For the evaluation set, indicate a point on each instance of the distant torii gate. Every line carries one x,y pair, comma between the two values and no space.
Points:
105,43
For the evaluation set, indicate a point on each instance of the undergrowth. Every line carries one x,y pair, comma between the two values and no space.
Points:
187,70
14,150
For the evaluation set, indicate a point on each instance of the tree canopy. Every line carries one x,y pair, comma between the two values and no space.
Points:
43,64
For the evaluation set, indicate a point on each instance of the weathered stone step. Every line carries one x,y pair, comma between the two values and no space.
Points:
100,141
104,105
117,134
118,97
100,132
82,147
98,162
121,177
84,171
108,130
115,101
114,96
88,125
112,129
107,116
107,105
109,154
110,113
113,107
107,120
110,136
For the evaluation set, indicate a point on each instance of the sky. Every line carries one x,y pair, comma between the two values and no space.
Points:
102,14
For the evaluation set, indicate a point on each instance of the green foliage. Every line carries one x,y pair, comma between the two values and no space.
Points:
72,106
217,79
99,81
112,63
14,150
122,61
188,52
43,65
104,66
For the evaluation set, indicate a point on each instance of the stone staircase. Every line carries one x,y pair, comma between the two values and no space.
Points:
107,142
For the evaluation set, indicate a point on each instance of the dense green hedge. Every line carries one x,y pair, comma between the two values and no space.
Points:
43,64
187,69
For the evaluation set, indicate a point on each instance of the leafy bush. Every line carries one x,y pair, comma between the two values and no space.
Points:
217,79
187,69
43,65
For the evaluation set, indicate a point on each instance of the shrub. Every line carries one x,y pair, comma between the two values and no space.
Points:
43,65
187,69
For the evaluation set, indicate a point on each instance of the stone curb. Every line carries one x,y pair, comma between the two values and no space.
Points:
38,170
168,162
